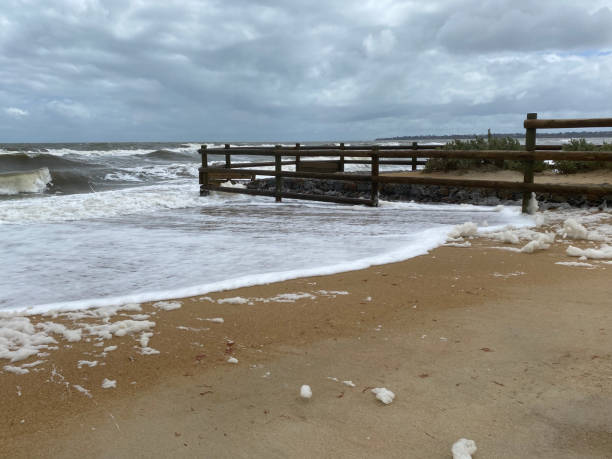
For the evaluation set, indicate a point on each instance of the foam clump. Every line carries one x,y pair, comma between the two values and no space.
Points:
384,395
603,253
506,236
305,391
572,229
232,360
16,370
167,305
230,184
466,229
109,384
216,320
532,206
233,300
540,241
20,339
463,449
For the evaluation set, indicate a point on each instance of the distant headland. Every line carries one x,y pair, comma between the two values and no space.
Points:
515,135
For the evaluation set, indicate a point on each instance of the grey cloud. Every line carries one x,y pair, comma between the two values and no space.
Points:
266,70
506,25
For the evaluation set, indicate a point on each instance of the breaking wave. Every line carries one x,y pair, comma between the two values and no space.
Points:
33,181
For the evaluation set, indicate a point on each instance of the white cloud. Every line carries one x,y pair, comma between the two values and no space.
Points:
16,112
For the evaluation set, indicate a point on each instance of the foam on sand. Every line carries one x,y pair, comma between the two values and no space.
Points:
572,229
34,181
465,229
167,305
603,253
384,395
463,449
109,383
575,263
306,391
539,241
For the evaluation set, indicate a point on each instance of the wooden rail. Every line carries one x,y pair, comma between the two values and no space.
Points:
408,155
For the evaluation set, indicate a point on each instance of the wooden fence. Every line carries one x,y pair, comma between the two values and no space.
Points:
407,155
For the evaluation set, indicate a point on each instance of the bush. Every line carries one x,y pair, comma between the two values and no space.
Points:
479,143
572,167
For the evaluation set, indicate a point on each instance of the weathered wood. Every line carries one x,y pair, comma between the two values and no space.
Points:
279,177
374,174
601,189
311,175
516,155
396,162
228,156
415,146
320,166
341,158
302,196
203,174
530,142
297,156
229,174
533,123
260,164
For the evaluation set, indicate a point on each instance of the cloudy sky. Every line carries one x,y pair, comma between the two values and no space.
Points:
103,70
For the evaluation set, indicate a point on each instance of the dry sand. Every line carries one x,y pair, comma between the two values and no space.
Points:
508,349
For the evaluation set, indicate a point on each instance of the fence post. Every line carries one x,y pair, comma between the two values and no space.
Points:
530,145
415,146
297,157
228,157
278,168
204,175
375,184
341,157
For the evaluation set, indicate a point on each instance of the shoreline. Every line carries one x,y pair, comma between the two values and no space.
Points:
305,340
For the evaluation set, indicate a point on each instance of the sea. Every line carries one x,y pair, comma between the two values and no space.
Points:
100,224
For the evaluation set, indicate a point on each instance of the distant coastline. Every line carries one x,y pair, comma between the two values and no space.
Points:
515,135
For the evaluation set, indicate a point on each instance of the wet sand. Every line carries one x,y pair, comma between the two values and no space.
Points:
508,349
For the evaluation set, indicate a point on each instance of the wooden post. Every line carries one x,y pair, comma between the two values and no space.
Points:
415,146
279,179
375,187
228,157
204,175
530,145
341,157
297,157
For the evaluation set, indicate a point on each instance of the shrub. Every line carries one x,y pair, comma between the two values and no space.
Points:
479,143
572,167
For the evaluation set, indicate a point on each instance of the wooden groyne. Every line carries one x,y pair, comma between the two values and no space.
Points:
337,156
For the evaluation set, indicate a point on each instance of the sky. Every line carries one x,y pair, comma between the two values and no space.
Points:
263,70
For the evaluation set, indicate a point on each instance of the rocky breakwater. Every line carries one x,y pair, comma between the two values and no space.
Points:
426,193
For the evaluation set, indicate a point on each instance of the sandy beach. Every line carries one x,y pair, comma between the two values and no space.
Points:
506,348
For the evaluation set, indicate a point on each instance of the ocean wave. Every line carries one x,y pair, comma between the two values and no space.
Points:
33,181
105,204
157,171
171,154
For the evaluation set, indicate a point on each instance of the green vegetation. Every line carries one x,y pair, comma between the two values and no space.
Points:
480,143
509,143
572,167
